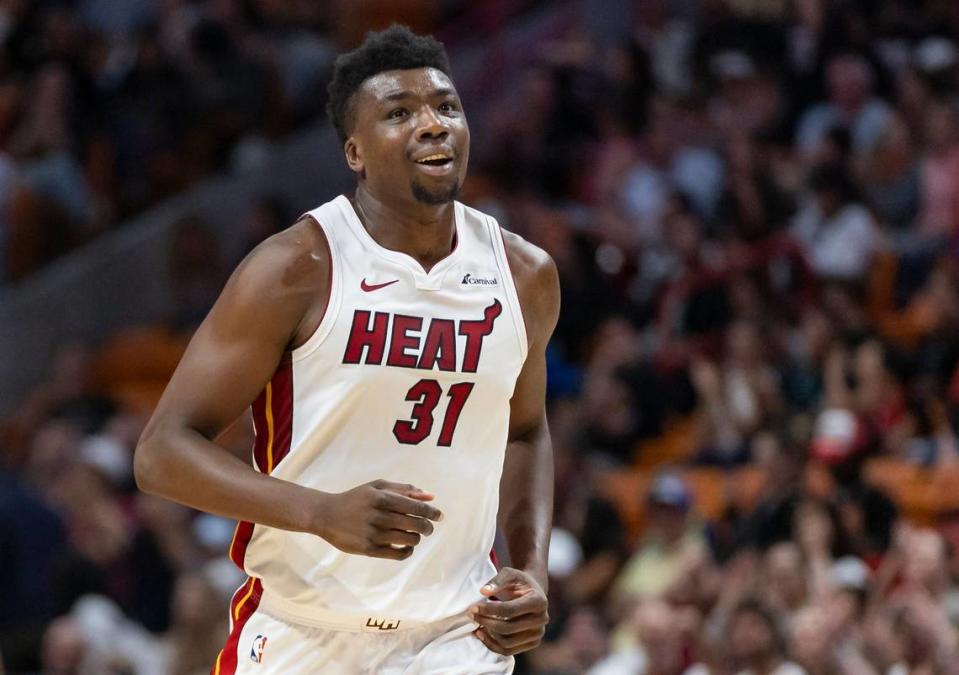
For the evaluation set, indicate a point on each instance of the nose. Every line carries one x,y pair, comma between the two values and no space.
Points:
430,125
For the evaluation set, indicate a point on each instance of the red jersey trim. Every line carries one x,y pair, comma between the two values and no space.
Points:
273,423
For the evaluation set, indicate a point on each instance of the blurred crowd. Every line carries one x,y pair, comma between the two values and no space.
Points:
754,208
108,107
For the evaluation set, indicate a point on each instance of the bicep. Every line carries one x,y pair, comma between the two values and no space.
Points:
234,352
218,377
528,404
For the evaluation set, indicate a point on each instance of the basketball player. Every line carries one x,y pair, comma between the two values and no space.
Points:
392,346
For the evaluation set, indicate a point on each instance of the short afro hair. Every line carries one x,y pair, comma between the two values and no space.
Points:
396,48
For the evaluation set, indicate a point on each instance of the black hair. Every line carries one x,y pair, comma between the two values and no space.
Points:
834,178
396,48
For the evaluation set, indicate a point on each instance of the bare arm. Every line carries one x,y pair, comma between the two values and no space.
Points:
268,306
232,356
526,488
515,621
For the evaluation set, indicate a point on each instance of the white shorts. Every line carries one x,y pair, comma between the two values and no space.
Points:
261,644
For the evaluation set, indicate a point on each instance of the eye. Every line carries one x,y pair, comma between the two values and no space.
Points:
447,106
397,113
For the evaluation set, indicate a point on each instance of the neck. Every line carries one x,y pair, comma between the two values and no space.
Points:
425,232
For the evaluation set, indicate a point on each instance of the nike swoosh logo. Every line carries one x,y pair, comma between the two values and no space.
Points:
375,287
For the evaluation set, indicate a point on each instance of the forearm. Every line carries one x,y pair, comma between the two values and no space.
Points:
526,502
185,467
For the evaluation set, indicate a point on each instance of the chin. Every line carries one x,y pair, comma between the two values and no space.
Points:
435,196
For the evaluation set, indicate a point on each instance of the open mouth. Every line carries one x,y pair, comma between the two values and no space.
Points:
438,159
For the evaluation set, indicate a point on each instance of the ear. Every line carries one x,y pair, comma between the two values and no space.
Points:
354,155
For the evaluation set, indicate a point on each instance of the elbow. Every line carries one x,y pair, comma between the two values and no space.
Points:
146,469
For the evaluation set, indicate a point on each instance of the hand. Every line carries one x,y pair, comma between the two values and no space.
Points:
378,519
513,617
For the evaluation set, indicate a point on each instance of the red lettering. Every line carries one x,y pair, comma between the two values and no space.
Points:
458,394
401,340
475,331
440,346
362,335
426,393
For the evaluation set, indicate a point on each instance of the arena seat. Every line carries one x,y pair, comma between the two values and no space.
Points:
924,494
676,444
135,364
141,352
714,490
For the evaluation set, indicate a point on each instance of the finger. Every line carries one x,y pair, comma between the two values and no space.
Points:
505,590
526,646
390,552
490,642
395,538
404,489
390,501
524,624
509,609
388,520
514,642
510,647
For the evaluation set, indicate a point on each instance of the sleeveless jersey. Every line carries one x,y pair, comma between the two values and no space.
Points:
407,378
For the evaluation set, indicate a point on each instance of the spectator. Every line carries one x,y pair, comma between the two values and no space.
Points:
785,579
852,105
939,207
752,207
659,646
756,643
737,398
672,542
837,231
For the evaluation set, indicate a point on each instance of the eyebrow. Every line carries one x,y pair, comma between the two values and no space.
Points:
400,95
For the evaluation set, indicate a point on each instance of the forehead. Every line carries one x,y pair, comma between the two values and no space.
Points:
420,82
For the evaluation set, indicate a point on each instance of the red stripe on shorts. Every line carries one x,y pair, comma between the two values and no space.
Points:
245,601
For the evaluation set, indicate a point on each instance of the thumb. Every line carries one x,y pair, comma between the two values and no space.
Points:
493,586
489,589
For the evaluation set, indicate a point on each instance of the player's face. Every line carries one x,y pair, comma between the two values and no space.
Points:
410,137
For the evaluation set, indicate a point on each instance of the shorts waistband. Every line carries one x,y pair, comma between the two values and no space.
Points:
319,617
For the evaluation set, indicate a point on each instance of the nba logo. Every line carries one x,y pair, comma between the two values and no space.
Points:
256,653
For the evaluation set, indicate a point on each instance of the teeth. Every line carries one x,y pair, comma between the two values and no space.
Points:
432,158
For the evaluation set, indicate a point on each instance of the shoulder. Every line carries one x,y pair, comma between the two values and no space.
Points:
529,263
537,283
297,256
283,275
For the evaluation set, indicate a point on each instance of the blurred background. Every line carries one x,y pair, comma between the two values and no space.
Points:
753,388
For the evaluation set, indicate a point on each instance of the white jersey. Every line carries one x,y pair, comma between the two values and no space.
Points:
407,378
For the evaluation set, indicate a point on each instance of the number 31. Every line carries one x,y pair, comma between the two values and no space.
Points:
426,394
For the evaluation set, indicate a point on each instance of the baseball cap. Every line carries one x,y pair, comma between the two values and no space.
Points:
836,435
